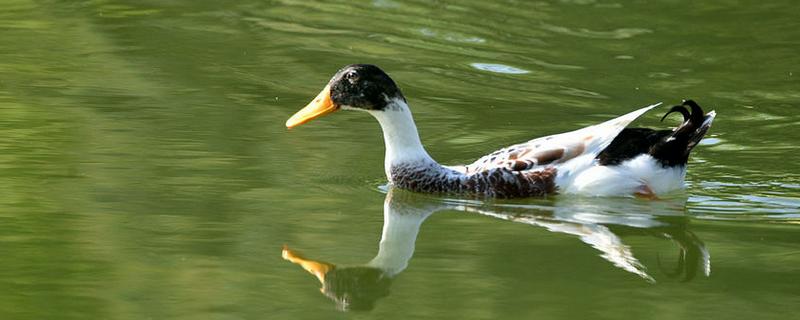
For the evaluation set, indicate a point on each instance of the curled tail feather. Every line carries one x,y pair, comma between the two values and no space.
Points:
674,148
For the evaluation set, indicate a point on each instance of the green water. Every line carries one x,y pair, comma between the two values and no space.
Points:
145,171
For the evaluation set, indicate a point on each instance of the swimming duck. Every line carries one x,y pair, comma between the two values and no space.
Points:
605,159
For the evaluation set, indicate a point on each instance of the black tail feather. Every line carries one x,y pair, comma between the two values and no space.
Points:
697,116
670,147
680,109
674,148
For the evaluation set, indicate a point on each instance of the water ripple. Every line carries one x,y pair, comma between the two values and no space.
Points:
622,33
498,68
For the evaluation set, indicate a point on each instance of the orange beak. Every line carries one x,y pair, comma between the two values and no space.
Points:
320,106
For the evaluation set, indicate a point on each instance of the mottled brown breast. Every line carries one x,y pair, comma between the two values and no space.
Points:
495,183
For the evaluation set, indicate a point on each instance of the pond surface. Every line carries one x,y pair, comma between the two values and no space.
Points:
146,173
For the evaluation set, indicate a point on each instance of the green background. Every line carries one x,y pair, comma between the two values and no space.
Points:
146,173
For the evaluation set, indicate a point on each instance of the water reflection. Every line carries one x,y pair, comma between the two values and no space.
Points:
599,223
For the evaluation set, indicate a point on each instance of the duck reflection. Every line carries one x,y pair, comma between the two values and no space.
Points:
597,222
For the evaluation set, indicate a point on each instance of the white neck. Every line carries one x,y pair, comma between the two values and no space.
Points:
400,135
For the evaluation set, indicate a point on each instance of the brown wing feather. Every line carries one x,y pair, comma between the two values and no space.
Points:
526,156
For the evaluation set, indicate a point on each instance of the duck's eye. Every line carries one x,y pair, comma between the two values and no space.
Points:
351,76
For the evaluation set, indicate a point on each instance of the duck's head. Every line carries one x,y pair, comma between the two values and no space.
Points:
355,87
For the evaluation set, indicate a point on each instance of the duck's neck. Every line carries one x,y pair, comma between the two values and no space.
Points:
403,146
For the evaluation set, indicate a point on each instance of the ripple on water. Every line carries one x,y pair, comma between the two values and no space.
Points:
621,33
498,68
710,141
581,93
293,27
451,36
730,200
385,4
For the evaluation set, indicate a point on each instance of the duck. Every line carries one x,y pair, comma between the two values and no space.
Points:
605,159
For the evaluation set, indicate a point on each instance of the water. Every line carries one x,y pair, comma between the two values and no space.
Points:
145,172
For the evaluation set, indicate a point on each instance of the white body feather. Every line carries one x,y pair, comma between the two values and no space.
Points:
642,174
